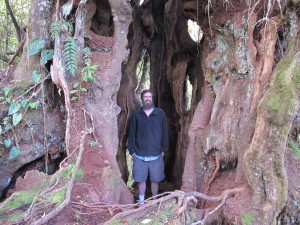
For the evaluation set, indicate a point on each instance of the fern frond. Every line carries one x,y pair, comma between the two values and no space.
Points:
87,54
70,55
70,27
55,29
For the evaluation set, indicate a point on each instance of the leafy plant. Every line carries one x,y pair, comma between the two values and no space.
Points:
14,152
55,29
87,56
17,117
94,143
7,143
47,54
36,46
87,75
15,112
36,76
70,27
90,130
70,55
14,107
6,91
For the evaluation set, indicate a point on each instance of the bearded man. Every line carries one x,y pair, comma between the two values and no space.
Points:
147,143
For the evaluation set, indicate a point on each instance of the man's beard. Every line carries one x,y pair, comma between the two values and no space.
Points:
147,105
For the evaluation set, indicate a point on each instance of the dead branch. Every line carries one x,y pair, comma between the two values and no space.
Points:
18,51
67,200
13,18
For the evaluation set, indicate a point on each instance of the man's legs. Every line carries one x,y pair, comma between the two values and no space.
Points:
157,174
142,190
154,188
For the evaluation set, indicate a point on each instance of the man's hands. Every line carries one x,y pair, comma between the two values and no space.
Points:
163,154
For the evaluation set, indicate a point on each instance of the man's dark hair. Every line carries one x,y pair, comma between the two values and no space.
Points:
146,91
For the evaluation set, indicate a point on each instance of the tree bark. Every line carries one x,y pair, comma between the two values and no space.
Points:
38,27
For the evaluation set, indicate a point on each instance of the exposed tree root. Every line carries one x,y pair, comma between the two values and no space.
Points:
214,173
183,200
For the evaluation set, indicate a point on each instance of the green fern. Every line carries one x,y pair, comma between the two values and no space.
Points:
55,29
70,55
70,28
87,56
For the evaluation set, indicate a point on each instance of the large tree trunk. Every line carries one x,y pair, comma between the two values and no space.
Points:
38,27
245,79
230,71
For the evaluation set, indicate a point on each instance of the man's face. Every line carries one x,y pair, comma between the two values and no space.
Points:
147,99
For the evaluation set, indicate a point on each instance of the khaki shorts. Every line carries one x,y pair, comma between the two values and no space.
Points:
141,169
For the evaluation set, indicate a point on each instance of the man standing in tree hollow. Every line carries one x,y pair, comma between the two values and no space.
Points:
147,143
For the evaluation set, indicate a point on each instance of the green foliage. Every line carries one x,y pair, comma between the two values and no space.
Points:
94,143
248,218
211,91
7,143
36,45
9,41
280,100
47,54
70,55
17,200
15,217
90,130
295,147
79,174
88,73
70,27
36,76
13,116
33,105
55,29
24,104
58,197
17,117
14,152
87,56
14,107
6,91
